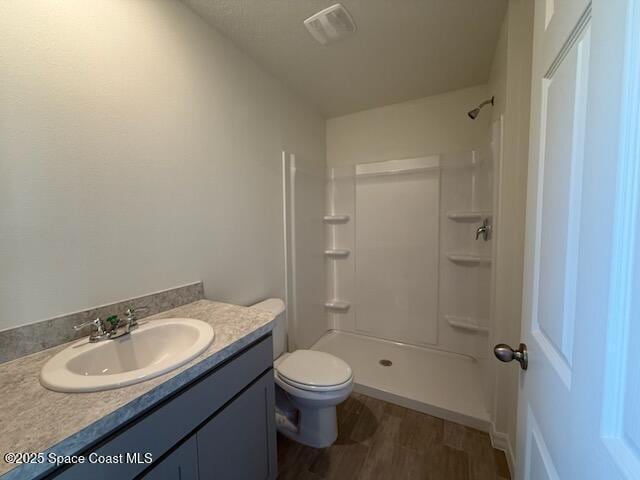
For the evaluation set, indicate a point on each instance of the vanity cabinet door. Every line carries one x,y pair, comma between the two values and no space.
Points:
181,464
240,442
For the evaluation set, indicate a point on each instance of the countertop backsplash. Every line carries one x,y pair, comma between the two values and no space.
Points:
27,339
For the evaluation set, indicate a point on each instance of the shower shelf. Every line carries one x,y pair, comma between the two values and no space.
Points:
468,216
466,323
337,305
335,218
337,253
469,259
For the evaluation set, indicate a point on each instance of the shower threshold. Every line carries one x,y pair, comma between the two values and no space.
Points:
442,384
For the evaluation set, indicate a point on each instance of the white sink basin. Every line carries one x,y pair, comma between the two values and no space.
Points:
152,349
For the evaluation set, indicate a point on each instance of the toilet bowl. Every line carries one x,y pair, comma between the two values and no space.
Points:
315,383
309,386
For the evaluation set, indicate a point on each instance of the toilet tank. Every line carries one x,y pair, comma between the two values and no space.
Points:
276,307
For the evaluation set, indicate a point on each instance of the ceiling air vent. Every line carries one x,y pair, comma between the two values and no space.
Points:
330,24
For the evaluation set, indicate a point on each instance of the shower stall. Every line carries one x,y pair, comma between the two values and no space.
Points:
390,266
408,262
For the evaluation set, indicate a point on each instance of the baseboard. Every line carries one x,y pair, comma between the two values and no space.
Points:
468,421
500,441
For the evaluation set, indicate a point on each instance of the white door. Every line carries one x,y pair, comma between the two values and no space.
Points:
579,405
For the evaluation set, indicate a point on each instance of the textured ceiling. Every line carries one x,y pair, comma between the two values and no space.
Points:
403,49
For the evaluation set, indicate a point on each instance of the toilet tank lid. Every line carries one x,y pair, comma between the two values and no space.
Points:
274,306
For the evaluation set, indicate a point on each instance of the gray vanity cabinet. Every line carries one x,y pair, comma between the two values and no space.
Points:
232,444
221,426
181,464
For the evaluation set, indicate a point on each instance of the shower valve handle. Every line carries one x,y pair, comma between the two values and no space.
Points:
484,230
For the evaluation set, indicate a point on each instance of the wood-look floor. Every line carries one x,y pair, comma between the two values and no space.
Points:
379,440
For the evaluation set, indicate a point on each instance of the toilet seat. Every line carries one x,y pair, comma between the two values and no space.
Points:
313,388
314,371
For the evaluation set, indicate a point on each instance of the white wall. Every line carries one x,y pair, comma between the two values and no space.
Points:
139,150
510,82
430,125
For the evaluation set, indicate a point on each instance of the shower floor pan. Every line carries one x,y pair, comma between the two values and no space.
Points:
442,384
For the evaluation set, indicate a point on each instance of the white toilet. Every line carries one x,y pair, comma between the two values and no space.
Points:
309,385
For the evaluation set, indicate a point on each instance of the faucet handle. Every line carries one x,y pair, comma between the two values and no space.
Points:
132,320
97,322
131,312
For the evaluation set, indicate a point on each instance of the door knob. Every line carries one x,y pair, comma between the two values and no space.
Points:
505,353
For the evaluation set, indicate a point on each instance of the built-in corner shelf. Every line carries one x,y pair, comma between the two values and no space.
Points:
466,323
337,253
335,219
468,216
337,305
469,259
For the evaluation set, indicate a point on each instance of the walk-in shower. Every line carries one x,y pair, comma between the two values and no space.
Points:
396,275
408,283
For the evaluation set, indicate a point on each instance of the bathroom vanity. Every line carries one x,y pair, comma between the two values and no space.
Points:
212,418
221,426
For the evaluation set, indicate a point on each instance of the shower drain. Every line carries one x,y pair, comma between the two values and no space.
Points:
385,363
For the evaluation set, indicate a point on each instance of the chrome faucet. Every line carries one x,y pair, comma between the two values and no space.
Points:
100,333
114,327
484,230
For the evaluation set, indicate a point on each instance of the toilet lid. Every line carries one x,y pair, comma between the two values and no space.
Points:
316,369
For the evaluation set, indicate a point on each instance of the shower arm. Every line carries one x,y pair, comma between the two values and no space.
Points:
486,102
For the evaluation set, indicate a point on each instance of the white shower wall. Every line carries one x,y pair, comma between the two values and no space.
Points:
465,263
398,278
396,250
340,198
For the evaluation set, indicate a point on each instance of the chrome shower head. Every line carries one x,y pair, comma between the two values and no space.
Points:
473,114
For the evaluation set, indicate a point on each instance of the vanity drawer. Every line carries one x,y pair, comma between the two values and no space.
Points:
177,417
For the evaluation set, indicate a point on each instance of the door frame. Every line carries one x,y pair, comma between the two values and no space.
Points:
626,233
